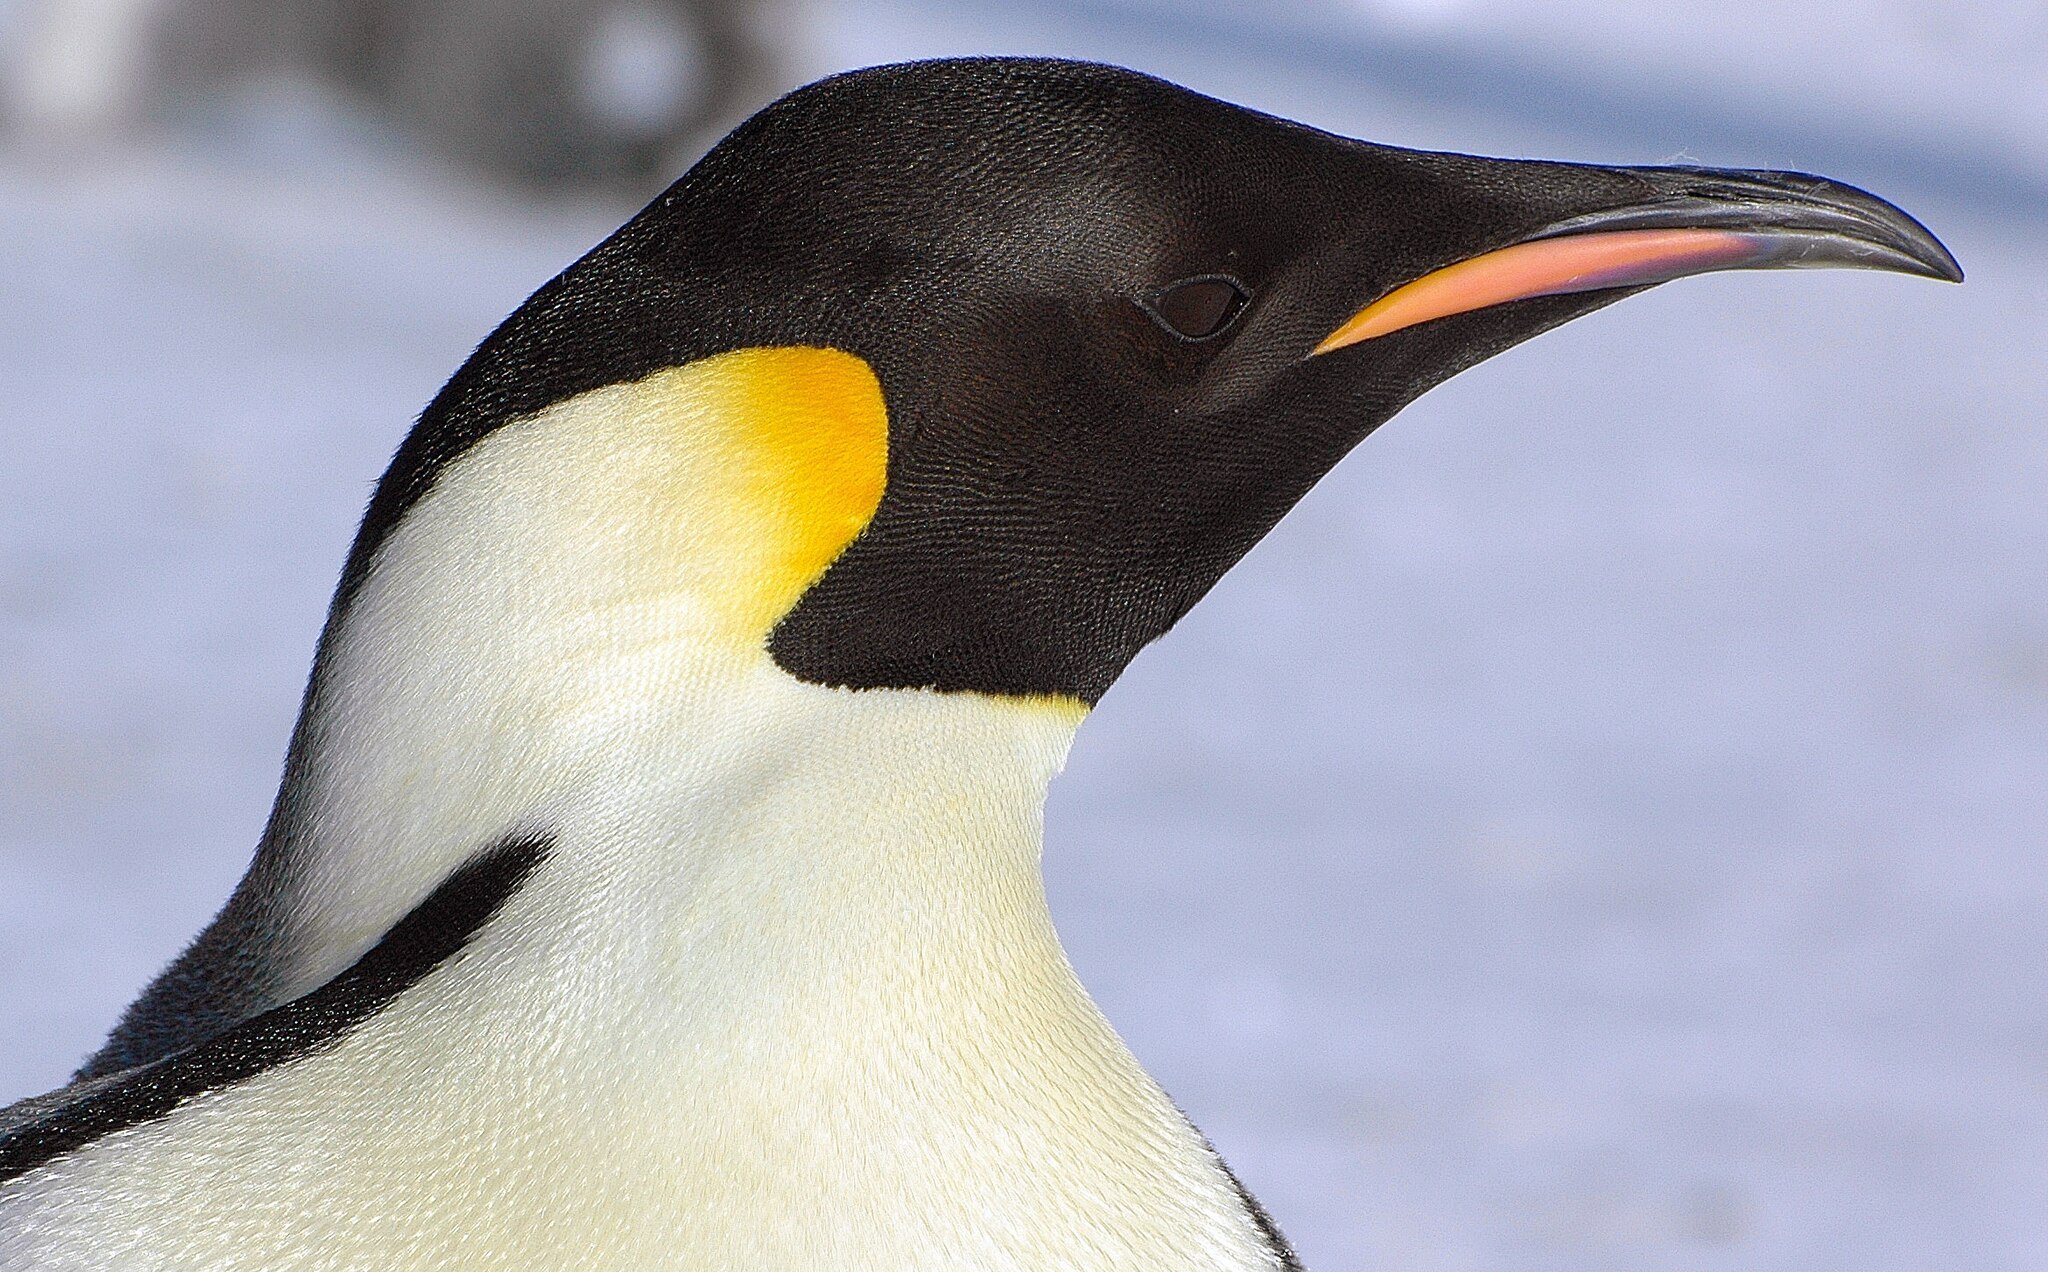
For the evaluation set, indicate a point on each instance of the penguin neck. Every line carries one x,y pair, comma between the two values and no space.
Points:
747,855
574,619
880,849
794,937
789,946
566,636
787,988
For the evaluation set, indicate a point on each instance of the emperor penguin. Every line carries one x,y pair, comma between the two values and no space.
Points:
655,882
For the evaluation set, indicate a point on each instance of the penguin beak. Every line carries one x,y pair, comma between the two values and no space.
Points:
1700,220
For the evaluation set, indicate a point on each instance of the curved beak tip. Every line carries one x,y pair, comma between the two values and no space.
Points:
1944,267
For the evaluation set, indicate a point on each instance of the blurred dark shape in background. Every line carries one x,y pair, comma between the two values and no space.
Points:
541,93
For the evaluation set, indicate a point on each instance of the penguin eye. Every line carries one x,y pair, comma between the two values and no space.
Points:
1198,308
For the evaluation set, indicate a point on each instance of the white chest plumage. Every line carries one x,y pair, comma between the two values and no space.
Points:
828,1027
785,993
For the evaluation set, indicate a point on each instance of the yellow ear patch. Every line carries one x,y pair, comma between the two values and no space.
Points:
809,430
706,497
754,470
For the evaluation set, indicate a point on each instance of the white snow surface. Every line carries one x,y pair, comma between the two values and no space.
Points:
1605,826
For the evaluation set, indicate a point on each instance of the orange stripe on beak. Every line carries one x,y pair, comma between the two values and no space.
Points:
1556,267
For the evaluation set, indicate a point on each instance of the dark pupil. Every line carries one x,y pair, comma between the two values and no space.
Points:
1199,307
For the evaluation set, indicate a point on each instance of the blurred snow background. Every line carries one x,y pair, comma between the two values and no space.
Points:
1605,827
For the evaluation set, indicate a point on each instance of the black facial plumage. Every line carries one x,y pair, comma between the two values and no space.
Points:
1091,299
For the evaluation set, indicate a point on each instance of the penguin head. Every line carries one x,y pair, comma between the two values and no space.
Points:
1118,329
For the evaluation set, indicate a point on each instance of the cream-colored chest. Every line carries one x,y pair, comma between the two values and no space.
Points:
824,1025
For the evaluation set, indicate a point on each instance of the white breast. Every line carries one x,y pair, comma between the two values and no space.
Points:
815,1019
